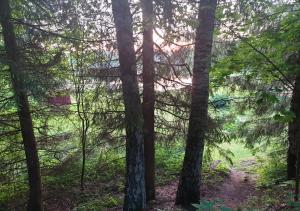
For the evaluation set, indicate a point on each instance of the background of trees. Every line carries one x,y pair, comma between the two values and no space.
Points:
72,49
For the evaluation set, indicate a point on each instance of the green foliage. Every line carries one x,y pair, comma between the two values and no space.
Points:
233,153
220,101
284,116
271,169
168,161
11,191
211,206
107,201
108,165
249,103
295,205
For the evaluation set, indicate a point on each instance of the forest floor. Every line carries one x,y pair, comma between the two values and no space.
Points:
231,190
235,189
237,186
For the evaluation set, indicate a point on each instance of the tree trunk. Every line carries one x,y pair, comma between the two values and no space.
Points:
291,158
85,123
135,195
189,184
293,137
293,163
17,75
148,98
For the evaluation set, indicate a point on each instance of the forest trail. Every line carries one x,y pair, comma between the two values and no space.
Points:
233,191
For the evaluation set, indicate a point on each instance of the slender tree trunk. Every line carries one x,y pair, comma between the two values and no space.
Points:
81,111
83,151
85,127
148,98
17,75
135,195
189,184
83,145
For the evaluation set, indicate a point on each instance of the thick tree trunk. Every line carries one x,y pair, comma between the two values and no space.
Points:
293,163
17,75
189,184
148,98
135,196
294,127
291,159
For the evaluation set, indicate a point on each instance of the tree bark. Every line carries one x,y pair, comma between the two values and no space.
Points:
294,138
293,131
148,98
189,184
135,195
291,158
21,98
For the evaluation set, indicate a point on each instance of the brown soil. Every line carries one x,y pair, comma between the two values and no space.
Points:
236,188
233,191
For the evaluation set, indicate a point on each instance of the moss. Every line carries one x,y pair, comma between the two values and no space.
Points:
108,201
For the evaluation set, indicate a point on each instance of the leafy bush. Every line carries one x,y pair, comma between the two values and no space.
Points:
169,161
271,170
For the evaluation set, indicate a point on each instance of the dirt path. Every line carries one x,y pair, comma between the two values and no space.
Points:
234,190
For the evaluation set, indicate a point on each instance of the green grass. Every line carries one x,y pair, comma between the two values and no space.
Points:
239,151
97,204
